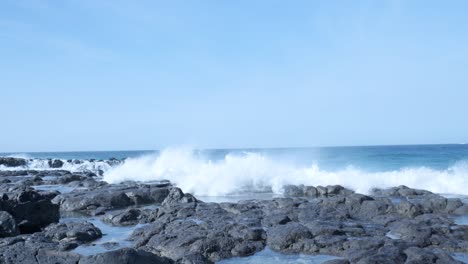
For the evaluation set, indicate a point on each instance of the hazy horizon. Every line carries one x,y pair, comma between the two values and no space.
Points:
234,148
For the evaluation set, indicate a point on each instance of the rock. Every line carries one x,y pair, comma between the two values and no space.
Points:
288,238
125,256
293,190
418,255
311,191
336,261
409,209
77,232
8,226
31,210
111,196
177,196
53,256
462,210
56,163
34,249
110,245
122,218
12,162
70,178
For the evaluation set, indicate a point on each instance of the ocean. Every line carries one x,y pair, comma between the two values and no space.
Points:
218,172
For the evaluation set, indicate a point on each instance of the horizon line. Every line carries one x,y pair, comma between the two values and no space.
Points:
239,148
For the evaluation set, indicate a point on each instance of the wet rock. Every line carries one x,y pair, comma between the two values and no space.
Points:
8,226
293,190
419,255
31,210
34,249
56,163
177,196
122,218
462,210
70,178
111,196
110,245
125,256
336,261
288,238
54,256
80,232
311,191
12,162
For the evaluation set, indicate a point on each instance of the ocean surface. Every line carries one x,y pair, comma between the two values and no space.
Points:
219,172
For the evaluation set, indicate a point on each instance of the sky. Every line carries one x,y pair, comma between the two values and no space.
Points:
130,75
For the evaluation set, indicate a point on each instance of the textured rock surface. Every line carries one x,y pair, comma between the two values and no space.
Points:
396,225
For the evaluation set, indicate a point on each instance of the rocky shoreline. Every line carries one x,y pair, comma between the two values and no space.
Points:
396,225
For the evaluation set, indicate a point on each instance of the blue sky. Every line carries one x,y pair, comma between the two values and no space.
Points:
114,75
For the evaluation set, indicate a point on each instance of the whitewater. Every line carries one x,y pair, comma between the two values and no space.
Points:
247,172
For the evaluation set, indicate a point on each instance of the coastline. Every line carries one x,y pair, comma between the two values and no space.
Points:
161,223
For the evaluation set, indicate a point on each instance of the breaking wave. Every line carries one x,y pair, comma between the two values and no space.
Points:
255,172
70,165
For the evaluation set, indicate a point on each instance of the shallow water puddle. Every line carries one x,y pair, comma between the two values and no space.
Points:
463,257
113,237
392,236
60,188
461,220
235,198
271,257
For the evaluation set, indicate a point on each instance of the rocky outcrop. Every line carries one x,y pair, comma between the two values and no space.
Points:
125,256
56,163
8,225
30,209
12,162
314,192
353,226
396,225
113,197
78,232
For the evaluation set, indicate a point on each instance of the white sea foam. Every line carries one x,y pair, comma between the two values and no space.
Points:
256,172
43,164
19,156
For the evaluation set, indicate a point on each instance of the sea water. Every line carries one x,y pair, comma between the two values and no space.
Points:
224,172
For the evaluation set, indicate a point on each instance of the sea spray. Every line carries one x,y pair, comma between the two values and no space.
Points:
255,172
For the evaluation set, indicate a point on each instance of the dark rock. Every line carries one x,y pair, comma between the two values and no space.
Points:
125,256
54,256
288,238
76,232
70,178
126,217
12,162
111,196
31,210
56,163
336,261
177,196
293,190
8,226
110,245
462,210
419,255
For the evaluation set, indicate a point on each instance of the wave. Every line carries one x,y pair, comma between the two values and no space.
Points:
255,172
18,156
70,165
